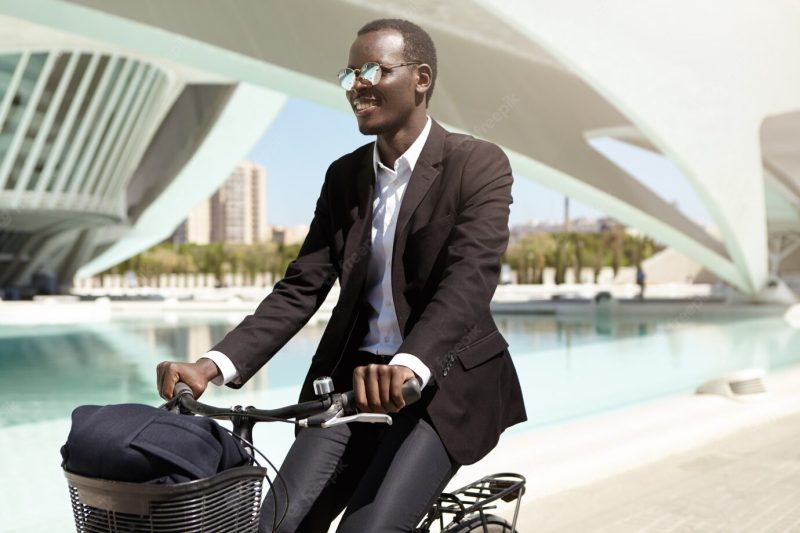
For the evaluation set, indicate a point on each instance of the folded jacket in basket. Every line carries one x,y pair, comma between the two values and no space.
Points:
142,444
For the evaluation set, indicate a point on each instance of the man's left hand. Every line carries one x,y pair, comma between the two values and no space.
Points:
379,388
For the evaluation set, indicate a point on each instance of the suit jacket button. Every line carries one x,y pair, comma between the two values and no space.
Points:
444,373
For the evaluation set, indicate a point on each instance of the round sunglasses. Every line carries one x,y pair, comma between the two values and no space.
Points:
369,72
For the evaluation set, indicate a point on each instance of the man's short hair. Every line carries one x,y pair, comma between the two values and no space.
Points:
417,44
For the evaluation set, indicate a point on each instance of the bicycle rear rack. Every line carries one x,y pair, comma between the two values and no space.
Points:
476,497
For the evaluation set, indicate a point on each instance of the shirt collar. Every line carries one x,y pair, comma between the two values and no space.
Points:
410,156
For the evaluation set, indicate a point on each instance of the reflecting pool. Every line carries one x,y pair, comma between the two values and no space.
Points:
570,367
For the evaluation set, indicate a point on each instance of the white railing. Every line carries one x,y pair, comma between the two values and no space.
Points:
120,282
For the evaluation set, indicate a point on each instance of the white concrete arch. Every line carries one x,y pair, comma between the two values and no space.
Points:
697,79
780,150
545,127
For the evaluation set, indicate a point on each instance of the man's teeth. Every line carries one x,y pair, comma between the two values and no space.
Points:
362,105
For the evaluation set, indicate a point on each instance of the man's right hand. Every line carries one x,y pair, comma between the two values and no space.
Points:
196,375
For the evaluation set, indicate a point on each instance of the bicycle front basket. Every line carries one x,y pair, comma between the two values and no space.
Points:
226,502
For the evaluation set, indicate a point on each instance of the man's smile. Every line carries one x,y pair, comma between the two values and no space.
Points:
362,105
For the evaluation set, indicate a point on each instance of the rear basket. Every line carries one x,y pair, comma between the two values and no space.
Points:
226,502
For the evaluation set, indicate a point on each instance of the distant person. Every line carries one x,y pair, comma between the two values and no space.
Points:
640,280
413,226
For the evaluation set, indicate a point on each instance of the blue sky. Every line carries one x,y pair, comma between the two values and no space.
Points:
305,138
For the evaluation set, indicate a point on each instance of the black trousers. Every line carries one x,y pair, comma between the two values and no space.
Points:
386,477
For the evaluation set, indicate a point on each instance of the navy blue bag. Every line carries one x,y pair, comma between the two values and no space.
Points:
143,444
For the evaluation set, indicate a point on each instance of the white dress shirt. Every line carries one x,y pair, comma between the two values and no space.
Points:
384,335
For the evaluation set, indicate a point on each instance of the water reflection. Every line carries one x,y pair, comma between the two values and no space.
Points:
47,371
569,365
531,333
45,374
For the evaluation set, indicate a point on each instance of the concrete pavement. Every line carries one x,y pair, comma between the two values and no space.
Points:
747,482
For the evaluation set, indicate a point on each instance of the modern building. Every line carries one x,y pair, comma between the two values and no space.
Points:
714,88
288,235
238,208
104,148
198,224
258,206
236,213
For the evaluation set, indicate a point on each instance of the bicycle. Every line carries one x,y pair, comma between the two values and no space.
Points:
230,501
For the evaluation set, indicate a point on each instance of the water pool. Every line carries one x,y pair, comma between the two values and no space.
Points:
570,367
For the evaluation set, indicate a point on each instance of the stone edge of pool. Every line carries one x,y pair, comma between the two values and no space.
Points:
589,450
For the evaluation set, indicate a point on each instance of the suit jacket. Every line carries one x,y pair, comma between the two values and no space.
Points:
452,230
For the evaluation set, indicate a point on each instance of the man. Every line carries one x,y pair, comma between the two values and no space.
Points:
413,226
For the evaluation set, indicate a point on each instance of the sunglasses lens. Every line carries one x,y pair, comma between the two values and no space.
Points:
371,72
347,78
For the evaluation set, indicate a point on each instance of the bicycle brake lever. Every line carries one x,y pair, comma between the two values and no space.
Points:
324,420
372,418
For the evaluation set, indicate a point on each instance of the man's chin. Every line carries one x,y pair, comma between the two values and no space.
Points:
373,125
367,128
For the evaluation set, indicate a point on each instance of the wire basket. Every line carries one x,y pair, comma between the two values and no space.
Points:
228,502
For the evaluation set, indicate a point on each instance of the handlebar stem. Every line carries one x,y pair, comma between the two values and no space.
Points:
243,425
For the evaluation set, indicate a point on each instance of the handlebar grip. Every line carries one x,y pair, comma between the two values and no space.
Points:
411,393
180,389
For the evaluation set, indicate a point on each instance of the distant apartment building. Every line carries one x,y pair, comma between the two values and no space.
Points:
236,213
198,224
238,208
288,235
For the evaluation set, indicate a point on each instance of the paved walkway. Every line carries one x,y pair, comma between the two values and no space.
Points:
747,482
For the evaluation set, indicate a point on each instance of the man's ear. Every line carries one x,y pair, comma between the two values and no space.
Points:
424,78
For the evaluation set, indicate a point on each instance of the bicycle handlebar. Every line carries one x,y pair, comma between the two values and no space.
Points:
326,411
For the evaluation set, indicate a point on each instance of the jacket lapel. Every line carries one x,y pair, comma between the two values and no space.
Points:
425,171
359,239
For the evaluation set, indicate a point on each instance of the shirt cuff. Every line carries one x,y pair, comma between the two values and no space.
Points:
227,372
418,367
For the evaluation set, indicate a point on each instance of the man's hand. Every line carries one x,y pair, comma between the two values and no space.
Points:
196,375
379,388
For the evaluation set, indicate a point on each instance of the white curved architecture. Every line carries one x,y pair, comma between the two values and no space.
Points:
103,86
715,87
104,149
697,81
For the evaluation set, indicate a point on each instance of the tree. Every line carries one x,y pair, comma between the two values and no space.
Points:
528,257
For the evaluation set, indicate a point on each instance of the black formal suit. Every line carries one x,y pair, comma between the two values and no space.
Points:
452,229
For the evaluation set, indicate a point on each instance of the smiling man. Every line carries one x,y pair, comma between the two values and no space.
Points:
413,226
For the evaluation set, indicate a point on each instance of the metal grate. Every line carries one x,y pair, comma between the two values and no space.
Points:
748,386
227,503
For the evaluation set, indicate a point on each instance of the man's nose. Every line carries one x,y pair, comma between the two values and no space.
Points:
360,84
